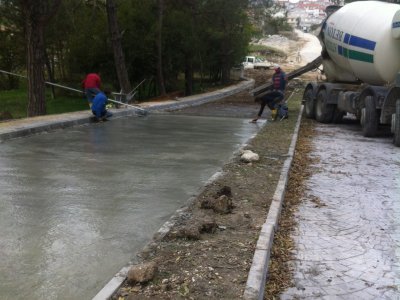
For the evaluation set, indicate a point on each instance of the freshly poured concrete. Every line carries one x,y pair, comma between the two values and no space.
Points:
76,205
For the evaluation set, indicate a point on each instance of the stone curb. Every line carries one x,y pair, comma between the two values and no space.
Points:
80,118
63,121
203,98
256,280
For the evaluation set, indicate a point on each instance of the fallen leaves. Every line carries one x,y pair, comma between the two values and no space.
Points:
280,271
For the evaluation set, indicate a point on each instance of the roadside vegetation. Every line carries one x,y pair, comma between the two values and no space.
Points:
266,52
157,46
14,103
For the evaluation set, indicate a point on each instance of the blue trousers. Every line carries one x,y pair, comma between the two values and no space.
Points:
90,93
102,113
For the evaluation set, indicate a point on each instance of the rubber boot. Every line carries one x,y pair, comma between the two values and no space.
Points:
274,113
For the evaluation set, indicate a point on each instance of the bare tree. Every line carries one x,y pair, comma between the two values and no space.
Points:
119,57
160,76
37,14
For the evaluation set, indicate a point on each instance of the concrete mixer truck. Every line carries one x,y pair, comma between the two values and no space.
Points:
361,61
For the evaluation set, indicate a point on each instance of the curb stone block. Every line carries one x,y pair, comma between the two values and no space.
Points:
256,280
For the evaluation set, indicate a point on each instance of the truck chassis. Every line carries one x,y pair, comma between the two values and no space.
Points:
372,105
328,102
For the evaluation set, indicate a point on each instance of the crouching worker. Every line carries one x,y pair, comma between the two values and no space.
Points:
99,106
274,97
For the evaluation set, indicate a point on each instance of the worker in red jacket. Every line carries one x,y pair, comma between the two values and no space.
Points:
91,85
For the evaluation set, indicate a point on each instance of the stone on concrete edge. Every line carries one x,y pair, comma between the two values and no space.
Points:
112,285
256,280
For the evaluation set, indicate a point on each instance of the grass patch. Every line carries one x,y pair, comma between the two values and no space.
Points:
266,51
15,102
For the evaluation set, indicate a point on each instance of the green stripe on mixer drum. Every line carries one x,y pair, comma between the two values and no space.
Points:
357,55
361,56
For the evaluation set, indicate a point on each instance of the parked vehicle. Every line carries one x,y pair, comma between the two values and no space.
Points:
252,62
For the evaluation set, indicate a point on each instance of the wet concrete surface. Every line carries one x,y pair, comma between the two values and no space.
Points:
77,204
348,235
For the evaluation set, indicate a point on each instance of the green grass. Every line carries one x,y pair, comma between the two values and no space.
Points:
16,103
265,50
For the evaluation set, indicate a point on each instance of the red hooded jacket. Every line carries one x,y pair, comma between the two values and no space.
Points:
92,80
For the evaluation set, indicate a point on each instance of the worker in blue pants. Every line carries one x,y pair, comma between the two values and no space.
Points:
99,106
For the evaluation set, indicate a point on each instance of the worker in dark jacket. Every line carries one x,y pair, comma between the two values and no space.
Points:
99,106
275,96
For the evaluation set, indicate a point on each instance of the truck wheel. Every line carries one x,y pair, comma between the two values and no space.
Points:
323,111
396,129
369,117
338,116
309,104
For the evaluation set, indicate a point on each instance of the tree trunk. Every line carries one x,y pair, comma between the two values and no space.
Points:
188,76
225,73
50,74
119,57
36,14
160,76
35,65
61,60
225,65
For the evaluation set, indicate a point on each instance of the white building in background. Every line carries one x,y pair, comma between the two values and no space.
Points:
304,13
300,13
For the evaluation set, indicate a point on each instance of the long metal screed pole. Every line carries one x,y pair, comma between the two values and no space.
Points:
75,90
